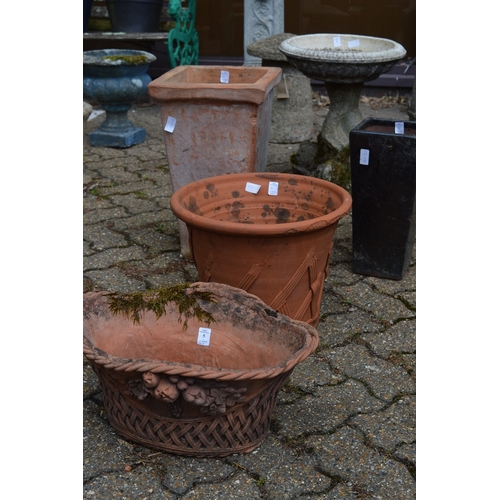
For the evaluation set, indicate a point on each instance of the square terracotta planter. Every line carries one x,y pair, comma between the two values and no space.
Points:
220,128
383,172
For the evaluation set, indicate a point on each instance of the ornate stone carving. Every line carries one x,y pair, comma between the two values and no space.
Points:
263,18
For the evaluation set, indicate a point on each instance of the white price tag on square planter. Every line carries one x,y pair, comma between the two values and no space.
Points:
364,156
204,336
337,41
224,76
170,125
353,43
272,190
399,127
252,188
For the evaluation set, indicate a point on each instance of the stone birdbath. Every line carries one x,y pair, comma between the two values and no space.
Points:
344,63
116,78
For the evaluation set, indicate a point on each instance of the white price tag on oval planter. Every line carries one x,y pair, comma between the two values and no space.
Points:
204,336
224,76
353,43
337,42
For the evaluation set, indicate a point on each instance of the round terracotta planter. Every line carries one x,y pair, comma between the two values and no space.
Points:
274,246
164,390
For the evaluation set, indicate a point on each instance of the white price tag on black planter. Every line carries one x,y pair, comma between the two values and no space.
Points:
364,156
204,336
224,76
399,127
170,125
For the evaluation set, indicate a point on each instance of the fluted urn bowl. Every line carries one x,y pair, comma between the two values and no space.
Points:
116,77
342,58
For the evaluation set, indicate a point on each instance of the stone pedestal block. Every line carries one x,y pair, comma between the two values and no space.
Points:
292,115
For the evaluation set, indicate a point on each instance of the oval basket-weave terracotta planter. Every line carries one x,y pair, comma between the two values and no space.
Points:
165,390
275,246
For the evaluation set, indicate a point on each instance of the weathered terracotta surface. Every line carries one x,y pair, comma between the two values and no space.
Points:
221,128
276,247
164,390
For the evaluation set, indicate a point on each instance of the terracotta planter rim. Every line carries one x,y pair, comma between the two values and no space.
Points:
276,230
165,88
111,362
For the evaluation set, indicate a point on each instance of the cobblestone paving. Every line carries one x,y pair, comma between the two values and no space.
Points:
344,426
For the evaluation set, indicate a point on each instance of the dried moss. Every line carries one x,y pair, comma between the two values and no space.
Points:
134,305
130,59
335,164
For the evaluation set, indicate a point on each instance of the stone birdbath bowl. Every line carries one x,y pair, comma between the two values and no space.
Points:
344,63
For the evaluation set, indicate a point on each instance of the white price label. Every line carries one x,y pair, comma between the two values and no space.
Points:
170,125
337,41
224,76
353,43
364,156
272,190
399,127
204,336
252,188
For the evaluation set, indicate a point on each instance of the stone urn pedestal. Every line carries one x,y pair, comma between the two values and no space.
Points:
203,390
292,115
116,78
216,121
344,63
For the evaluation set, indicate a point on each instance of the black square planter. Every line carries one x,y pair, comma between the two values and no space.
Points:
383,174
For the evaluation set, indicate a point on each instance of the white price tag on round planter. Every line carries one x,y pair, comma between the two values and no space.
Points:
272,190
224,76
252,188
170,125
204,336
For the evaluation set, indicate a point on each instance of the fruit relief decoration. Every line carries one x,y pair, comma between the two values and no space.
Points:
212,397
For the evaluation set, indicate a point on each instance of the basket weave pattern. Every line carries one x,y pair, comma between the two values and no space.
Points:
240,430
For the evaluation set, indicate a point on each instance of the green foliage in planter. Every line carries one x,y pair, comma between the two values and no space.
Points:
99,24
132,305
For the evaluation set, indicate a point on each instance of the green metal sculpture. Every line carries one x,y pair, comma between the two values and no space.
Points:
183,43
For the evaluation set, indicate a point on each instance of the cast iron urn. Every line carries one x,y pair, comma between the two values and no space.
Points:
116,78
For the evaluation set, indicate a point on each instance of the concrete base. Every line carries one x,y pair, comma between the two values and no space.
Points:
130,137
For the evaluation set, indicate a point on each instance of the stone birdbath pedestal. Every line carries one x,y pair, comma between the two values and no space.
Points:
116,78
344,63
